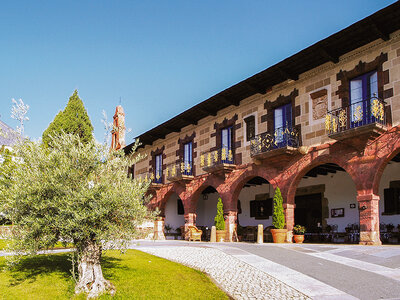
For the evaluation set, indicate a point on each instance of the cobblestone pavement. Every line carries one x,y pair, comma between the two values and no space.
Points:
238,279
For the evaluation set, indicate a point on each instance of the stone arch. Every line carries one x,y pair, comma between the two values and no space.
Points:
164,194
385,155
301,168
237,182
196,188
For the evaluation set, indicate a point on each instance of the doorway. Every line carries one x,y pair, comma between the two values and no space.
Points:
308,212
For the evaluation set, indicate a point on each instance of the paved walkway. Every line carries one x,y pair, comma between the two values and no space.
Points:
291,271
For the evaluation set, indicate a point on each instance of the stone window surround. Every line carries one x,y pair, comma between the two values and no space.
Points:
245,142
181,149
328,89
152,162
235,144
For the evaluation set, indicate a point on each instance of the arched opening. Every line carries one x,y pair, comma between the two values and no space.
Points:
254,207
206,208
326,204
174,217
389,204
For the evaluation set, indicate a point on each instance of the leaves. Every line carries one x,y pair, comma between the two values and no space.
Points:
278,217
73,119
73,191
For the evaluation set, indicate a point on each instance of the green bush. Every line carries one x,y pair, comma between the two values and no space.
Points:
219,218
278,217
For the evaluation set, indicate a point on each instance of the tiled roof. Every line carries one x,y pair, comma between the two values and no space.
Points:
8,136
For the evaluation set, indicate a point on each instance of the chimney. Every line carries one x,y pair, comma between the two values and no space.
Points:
118,131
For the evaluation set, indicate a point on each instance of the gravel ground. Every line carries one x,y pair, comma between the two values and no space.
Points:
239,280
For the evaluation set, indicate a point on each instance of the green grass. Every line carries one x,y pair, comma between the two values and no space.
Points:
135,274
59,245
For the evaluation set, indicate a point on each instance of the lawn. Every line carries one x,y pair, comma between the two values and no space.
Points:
135,274
59,245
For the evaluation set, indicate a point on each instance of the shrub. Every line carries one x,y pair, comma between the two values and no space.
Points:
298,229
278,217
219,218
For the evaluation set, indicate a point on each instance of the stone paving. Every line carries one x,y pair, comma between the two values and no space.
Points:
238,279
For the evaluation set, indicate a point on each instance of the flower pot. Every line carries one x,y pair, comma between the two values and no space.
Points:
279,235
298,238
221,234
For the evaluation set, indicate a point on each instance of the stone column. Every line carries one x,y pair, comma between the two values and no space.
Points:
231,225
159,229
190,220
368,206
288,210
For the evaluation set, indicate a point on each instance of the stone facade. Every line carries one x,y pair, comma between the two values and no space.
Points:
311,95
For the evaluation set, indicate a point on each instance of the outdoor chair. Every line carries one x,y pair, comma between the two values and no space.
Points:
195,233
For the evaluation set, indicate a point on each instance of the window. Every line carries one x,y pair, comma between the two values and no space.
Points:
261,209
250,127
282,120
188,158
392,201
158,169
226,145
362,88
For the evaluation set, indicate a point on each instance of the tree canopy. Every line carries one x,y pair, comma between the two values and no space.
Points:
73,192
73,119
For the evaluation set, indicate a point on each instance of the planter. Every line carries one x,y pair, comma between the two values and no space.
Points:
279,235
298,238
221,234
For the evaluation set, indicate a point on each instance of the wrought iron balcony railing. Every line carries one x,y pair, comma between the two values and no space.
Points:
355,115
280,138
179,170
146,177
217,157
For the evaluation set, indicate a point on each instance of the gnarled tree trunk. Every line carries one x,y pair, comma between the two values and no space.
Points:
91,280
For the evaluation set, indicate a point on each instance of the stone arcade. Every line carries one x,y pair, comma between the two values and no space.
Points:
323,125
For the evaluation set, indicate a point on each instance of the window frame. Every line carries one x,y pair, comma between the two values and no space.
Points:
245,127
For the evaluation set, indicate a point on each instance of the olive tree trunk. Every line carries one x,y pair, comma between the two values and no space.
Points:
91,280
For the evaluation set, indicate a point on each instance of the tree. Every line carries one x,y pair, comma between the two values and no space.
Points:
278,217
73,119
219,218
18,112
77,193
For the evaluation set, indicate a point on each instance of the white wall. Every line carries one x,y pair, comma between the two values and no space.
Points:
171,213
248,194
206,210
340,191
391,173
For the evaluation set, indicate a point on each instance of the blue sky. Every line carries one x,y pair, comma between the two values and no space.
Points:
159,57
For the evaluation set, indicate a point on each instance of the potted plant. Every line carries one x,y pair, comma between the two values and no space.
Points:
278,218
298,233
220,221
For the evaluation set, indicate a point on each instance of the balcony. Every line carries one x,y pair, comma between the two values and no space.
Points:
278,144
155,181
219,161
357,122
180,171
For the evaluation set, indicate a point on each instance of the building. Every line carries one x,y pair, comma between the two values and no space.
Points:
323,125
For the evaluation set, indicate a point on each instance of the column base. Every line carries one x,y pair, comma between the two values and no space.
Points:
371,238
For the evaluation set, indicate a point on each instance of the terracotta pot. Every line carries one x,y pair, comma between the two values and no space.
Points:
221,234
298,238
279,235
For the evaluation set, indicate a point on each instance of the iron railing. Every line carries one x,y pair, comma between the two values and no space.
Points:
179,169
216,157
365,112
280,138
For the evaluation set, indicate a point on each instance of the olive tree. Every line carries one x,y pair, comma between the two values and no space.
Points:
73,192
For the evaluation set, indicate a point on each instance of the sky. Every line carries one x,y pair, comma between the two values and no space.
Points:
156,58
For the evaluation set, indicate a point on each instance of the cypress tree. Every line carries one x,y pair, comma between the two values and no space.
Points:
278,217
219,218
73,119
